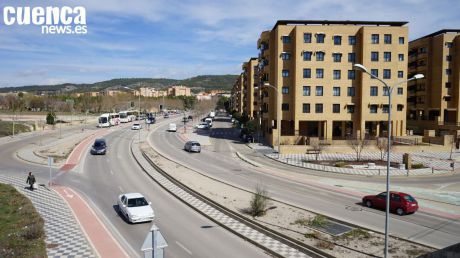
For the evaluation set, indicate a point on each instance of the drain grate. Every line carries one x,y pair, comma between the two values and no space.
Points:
333,228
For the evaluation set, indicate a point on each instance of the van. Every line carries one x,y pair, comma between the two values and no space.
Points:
172,128
209,121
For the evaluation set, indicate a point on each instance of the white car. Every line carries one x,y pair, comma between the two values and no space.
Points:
172,127
136,126
202,125
135,207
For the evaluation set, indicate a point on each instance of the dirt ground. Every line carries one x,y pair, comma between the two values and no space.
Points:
292,221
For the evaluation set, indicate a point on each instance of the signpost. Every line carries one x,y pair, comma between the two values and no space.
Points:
50,163
154,244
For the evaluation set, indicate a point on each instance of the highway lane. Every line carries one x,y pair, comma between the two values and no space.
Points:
217,162
102,178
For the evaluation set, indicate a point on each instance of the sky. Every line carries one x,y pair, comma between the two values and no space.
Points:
180,39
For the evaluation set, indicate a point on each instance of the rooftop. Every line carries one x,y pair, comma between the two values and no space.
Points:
347,22
439,32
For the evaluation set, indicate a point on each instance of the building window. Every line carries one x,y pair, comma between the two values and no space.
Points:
319,56
375,72
306,90
448,71
350,109
351,91
319,73
386,74
400,107
375,38
307,38
373,109
401,57
318,108
385,109
285,90
337,57
351,40
387,56
336,74
306,108
374,91
449,44
401,40
306,73
286,39
285,56
307,55
400,90
385,91
319,90
336,91
387,38
320,38
351,74
351,57
285,73
374,56
448,58
335,108
337,40
285,106
400,74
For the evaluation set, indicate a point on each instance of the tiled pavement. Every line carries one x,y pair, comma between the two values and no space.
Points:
61,228
240,228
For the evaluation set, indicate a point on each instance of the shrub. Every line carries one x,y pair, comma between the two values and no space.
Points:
357,233
50,118
318,221
340,164
259,202
417,166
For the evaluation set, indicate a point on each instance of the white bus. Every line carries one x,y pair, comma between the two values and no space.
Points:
104,120
124,118
114,119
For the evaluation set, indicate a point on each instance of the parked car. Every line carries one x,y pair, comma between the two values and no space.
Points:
202,125
401,203
248,138
136,126
166,115
209,121
135,207
99,147
172,127
192,146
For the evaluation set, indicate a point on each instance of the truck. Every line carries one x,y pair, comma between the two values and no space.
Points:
212,114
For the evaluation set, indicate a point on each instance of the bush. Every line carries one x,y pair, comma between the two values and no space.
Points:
318,221
417,166
259,202
340,164
50,118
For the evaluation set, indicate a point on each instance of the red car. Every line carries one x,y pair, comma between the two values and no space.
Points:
401,203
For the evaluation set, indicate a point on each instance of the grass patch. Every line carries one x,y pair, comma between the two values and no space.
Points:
321,244
318,221
340,164
6,128
21,227
314,234
417,166
302,222
415,252
356,233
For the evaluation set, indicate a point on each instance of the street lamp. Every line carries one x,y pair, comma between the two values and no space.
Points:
389,89
126,87
278,112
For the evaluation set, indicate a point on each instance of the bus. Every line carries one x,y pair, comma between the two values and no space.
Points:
132,114
114,119
104,120
124,118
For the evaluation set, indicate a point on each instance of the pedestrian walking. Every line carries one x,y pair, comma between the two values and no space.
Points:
31,181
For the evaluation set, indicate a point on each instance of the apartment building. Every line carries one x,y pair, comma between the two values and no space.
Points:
151,92
434,102
310,63
250,87
238,94
179,91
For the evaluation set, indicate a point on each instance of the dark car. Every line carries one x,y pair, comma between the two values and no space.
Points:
166,115
99,147
401,203
190,117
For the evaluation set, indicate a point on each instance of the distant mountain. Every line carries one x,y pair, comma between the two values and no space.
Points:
203,82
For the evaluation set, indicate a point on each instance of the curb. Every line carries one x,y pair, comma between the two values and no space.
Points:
309,250
243,158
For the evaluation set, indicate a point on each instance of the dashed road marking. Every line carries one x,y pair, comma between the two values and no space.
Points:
183,247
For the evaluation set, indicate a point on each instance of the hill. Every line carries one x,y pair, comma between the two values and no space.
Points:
203,82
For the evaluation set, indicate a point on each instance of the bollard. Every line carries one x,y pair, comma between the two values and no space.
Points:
432,170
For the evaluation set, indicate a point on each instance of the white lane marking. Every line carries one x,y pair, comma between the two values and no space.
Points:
121,189
67,194
111,172
183,247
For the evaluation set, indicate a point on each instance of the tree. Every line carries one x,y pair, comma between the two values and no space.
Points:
358,145
382,145
188,101
50,118
316,146
222,102
259,202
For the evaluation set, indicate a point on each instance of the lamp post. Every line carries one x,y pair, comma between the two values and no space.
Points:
278,113
389,89
126,87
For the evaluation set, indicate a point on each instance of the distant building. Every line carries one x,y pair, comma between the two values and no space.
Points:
203,96
175,91
151,93
111,93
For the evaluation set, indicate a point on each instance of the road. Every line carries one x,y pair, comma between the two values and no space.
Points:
217,161
100,179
